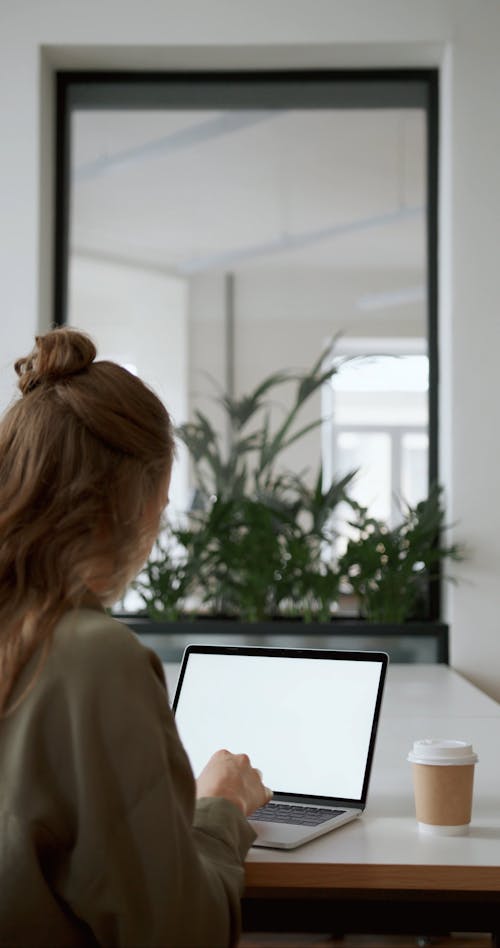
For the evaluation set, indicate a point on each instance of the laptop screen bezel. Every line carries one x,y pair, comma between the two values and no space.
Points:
381,658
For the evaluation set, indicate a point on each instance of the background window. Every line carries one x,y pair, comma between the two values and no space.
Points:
215,228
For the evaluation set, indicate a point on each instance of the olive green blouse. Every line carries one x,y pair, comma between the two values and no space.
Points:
101,841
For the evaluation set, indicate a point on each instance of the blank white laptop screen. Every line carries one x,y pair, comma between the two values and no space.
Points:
268,707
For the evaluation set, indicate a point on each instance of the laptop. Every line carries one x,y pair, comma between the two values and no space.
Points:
307,718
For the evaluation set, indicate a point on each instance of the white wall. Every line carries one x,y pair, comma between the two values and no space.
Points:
459,35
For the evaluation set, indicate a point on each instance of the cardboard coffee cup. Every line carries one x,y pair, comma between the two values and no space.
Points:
443,774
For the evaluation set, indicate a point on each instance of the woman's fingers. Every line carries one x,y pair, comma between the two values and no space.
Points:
233,777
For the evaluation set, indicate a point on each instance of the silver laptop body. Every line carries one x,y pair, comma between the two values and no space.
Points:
307,718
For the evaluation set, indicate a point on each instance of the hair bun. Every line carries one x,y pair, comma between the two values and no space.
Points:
57,355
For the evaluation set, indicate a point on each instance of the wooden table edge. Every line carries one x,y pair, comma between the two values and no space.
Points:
305,877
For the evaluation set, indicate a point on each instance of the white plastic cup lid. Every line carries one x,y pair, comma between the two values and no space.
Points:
441,751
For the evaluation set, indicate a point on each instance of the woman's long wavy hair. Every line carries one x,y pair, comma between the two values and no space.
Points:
84,453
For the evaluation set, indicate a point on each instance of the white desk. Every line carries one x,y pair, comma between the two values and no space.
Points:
379,873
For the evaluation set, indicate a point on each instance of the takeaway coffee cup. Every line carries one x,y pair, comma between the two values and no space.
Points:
443,773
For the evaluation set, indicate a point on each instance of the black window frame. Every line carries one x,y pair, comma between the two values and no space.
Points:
313,88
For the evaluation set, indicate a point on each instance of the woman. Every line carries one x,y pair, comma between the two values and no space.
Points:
102,841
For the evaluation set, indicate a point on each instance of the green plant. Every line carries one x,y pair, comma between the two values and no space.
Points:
259,542
390,570
248,465
254,547
164,581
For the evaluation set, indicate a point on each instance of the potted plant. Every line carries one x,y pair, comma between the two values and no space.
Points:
253,546
258,543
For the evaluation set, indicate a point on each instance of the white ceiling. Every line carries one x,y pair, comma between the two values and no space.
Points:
211,191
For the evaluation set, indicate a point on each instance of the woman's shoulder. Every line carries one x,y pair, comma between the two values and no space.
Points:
92,644
84,628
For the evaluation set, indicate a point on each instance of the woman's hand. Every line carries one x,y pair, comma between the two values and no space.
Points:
232,776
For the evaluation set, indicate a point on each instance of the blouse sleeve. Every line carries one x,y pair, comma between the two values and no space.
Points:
146,867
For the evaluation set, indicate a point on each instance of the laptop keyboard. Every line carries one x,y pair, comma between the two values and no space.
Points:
295,815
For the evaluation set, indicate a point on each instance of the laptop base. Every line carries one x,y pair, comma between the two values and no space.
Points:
287,836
